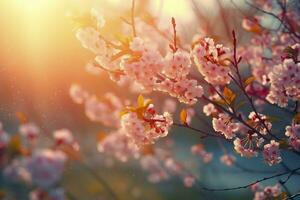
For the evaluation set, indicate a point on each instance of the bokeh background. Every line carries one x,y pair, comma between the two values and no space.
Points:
40,58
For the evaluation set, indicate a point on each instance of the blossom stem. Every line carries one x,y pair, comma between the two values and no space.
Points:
235,116
252,183
241,85
205,134
132,18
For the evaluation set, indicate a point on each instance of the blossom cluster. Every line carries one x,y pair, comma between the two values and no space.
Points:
152,61
143,125
268,192
212,61
293,132
285,83
40,168
105,111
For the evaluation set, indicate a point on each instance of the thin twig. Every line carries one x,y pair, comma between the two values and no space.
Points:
132,18
250,184
205,134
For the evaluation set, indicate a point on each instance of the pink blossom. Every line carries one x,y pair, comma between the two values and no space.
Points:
78,94
98,17
260,121
29,130
174,166
105,111
177,65
293,132
200,151
225,126
271,153
170,105
46,167
227,159
63,136
209,109
211,61
16,171
156,171
146,128
285,83
90,39
118,145
189,181
247,146
268,192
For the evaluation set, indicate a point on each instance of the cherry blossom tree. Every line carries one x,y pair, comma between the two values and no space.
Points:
236,84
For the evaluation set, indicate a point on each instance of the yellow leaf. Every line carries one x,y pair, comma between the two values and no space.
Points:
256,29
221,102
124,112
101,136
21,117
140,100
15,145
229,95
283,195
183,116
283,144
147,150
296,118
249,80
71,152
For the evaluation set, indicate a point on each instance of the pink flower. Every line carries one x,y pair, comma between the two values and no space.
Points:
156,171
90,39
16,171
29,130
93,69
224,125
170,105
293,132
189,181
105,111
247,147
285,83
173,166
63,136
46,167
268,192
255,187
200,151
227,159
118,145
147,128
260,121
211,61
177,65
251,25
98,17
271,153
78,95
209,109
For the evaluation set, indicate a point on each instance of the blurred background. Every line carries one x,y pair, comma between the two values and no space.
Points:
40,58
